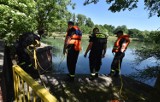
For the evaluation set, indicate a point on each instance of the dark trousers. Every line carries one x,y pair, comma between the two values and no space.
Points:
72,57
30,70
95,63
116,63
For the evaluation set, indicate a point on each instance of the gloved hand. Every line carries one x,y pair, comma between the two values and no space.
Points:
120,55
85,55
103,55
64,51
113,53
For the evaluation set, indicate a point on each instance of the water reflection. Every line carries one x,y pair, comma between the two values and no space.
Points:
128,65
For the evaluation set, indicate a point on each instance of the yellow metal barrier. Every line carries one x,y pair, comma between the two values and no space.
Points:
27,89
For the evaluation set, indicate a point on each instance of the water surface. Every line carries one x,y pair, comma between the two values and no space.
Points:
128,64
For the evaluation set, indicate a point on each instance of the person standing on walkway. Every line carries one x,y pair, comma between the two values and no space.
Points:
97,47
72,47
119,49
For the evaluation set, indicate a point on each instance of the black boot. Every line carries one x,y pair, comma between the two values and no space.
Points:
70,78
96,75
110,74
92,77
116,74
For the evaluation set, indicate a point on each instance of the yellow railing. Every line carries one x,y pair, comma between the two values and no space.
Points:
26,89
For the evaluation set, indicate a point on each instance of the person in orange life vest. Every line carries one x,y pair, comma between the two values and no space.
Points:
72,47
119,49
97,47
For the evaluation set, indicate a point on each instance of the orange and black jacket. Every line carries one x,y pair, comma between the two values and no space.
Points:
121,44
75,36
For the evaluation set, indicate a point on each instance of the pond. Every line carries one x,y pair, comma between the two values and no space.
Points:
129,62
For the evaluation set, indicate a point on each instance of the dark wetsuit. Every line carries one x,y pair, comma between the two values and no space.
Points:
117,61
95,55
24,59
72,55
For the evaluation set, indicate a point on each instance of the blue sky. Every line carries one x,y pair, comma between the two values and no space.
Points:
137,18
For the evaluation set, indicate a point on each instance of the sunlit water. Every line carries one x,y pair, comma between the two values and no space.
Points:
128,64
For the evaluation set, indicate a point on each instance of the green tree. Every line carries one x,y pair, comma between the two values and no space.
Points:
146,35
16,18
123,28
85,29
81,19
135,33
110,28
53,14
155,35
74,17
102,29
89,23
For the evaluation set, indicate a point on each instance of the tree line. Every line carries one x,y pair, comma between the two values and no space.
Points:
18,16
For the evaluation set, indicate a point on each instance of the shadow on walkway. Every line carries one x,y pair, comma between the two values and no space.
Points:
103,89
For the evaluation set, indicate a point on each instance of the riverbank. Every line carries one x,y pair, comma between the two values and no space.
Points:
103,89
86,36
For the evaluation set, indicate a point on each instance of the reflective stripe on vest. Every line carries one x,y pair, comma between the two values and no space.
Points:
93,74
22,63
71,75
100,35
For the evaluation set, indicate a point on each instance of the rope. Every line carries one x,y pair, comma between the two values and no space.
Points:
121,80
36,62
62,58
121,87
36,66
35,58
41,66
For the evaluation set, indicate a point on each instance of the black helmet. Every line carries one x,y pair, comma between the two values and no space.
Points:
119,32
70,23
95,30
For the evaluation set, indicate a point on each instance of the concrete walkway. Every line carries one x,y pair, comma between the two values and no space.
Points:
102,89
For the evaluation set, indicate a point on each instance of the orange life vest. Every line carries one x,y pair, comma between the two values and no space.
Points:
117,48
76,39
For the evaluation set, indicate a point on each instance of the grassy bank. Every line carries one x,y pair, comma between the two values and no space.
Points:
85,36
